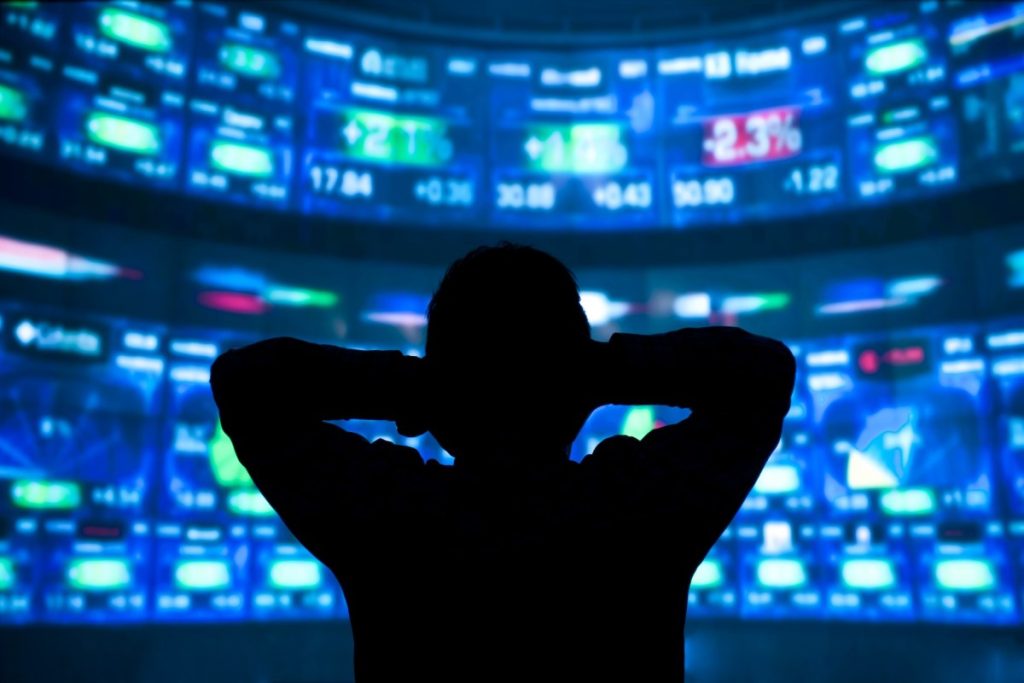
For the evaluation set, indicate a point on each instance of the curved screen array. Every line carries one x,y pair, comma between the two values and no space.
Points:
227,103
897,492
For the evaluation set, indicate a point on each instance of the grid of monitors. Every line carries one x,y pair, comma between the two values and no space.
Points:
896,492
236,104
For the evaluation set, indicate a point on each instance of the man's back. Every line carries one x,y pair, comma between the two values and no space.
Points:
568,570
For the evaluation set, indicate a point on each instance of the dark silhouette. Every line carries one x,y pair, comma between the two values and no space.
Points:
515,563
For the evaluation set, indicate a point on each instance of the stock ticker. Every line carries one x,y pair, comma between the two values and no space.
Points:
234,104
897,491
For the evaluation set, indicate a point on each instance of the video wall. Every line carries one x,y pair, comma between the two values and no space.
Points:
897,492
233,103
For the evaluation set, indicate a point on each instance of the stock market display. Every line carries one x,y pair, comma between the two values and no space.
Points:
897,490
236,104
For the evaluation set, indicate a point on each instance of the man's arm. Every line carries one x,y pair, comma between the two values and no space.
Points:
738,388
274,397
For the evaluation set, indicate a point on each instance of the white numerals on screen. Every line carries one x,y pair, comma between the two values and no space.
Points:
726,134
707,192
819,179
347,183
444,191
533,196
614,196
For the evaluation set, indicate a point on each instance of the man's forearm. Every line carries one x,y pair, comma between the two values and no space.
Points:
698,368
287,378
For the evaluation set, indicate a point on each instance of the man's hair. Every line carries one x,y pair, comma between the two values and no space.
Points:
508,297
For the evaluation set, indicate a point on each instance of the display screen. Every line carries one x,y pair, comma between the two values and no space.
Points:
394,130
236,103
572,140
895,492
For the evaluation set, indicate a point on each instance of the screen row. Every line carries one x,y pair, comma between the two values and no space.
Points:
897,491
229,103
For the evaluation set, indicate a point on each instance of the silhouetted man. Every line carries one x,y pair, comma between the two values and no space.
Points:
515,563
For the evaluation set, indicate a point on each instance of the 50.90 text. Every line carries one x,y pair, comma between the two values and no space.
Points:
706,192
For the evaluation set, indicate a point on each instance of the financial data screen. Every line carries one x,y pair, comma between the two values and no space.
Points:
896,492
234,103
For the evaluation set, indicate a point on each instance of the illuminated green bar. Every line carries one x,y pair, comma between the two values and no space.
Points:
122,133
755,303
868,574
778,479
251,62
13,106
639,422
906,155
577,148
964,575
895,57
202,575
227,470
46,495
294,574
6,574
99,574
908,502
708,575
298,296
135,30
245,160
249,503
781,573
383,137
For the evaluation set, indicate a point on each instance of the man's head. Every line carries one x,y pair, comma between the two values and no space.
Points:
506,338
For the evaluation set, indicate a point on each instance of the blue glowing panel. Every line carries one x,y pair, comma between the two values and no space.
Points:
287,582
32,28
964,575
987,61
78,440
900,427
1006,347
868,571
96,571
77,426
395,132
245,56
752,128
135,40
779,568
901,128
27,64
201,572
130,131
573,140
240,154
901,424
19,567
26,112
